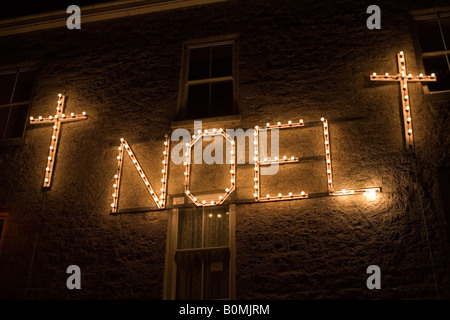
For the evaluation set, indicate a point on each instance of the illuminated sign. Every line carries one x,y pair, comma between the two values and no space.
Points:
56,120
403,78
258,163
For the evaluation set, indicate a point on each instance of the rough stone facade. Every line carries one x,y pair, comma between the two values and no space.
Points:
297,59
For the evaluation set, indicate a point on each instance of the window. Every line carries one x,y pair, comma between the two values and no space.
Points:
203,253
15,96
3,216
434,37
209,79
444,183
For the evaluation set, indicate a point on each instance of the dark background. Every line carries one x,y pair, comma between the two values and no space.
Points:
27,7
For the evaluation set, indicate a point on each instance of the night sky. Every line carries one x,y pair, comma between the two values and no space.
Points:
18,8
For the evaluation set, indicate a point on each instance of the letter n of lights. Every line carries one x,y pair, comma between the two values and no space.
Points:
403,78
125,147
56,120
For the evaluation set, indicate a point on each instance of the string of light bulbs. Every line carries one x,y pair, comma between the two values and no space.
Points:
160,200
59,118
197,200
403,78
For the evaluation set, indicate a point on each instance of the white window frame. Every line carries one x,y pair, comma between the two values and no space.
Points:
185,83
170,272
425,15
14,140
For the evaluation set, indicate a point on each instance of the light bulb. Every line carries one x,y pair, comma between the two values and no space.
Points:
165,143
227,189
220,197
279,123
185,173
290,194
59,95
420,75
232,171
433,75
289,122
322,119
48,169
112,205
31,118
212,202
203,201
409,119
401,53
147,183
40,117
407,108
142,175
406,97
195,199
50,117
267,124
114,195
301,121
267,196
292,158
49,158
302,193
386,74
374,74
72,114
83,113
410,131
188,192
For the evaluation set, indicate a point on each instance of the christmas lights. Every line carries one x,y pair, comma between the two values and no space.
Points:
269,161
403,80
159,201
187,173
56,120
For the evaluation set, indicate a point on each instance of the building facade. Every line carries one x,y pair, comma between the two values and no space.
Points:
338,161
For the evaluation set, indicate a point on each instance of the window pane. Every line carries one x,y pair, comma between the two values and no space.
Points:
221,98
216,274
430,35
216,227
17,121
222,61
199,63
6,87
190,221
3,119
445,25
24,86
439,66
198,101
189,275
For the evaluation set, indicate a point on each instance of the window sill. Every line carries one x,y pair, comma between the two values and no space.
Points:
437,96
207,123
12,142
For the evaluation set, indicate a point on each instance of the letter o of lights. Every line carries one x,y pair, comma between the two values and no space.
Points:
187,172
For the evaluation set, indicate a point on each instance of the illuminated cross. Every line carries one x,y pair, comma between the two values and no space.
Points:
56,120
403,78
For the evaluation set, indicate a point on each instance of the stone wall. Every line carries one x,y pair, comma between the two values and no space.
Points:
297,59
